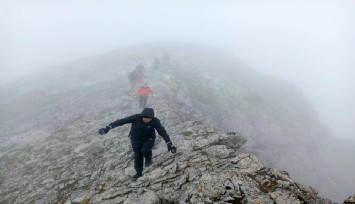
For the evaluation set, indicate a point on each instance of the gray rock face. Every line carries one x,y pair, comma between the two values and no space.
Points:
350,200
208,173
56,156
206,169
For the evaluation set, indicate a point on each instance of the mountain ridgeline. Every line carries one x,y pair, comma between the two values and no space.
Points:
221,115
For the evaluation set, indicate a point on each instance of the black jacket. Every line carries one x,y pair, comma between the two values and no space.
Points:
141,131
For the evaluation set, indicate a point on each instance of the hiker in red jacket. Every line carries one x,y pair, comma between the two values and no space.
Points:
143,94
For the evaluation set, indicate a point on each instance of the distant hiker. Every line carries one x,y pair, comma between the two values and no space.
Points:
156,63
143,94
142,137
166,59
137,75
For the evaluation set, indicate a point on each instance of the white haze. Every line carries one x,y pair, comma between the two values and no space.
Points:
310,43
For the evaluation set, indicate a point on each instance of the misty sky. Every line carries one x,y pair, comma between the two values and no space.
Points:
311,43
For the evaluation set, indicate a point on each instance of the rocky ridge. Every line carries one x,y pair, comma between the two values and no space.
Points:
56,155
206,169
75,165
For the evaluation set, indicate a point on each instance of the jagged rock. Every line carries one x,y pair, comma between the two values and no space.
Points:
202,176
58,157
142,196
79,197
350,200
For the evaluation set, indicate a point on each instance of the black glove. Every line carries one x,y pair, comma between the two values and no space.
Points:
105,130
171,148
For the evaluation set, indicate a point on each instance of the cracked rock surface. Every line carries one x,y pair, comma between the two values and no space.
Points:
50,151
206,169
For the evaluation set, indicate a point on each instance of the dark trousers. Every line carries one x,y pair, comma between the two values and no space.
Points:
143,101
142,149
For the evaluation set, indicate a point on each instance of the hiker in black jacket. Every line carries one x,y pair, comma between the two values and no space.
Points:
142,136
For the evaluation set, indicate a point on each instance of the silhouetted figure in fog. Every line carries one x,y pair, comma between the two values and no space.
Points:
166,59
143,94
143,136
137,75
156,63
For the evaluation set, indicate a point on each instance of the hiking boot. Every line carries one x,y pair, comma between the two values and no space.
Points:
148,163
137,175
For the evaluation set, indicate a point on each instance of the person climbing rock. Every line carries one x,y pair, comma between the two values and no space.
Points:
143,94
137,75
142,136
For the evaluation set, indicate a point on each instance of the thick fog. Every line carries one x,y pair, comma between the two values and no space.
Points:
310,43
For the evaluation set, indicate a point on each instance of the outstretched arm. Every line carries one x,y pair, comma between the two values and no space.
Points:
118,122
124,121
162,132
